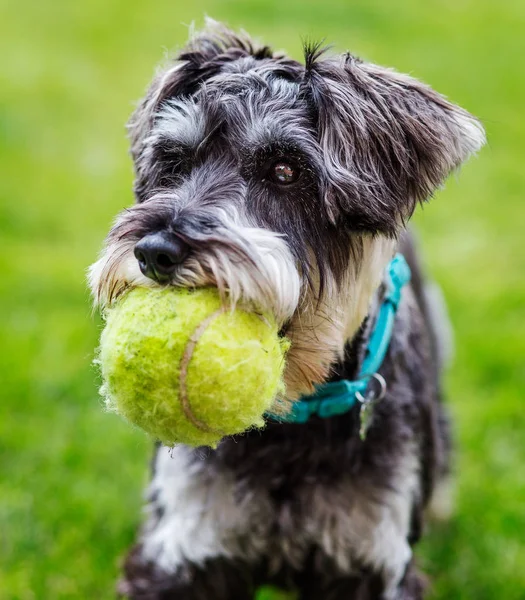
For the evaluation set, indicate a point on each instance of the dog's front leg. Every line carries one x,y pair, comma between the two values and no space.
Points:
368,586
200,541
217,578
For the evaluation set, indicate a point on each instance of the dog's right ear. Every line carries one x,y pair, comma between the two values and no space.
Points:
204,55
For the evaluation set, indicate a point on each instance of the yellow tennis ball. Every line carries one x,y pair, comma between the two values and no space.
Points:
186,369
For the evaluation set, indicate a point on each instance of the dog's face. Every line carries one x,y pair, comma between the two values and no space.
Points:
282,184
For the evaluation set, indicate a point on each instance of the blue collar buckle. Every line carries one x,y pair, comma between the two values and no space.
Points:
338,397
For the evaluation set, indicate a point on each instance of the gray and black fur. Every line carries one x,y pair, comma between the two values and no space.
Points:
309,507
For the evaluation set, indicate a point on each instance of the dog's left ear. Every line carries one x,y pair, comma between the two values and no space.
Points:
388,140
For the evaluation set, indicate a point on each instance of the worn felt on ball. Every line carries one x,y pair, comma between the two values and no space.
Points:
184,368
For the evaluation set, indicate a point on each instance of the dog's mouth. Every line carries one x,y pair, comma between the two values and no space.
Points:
283,332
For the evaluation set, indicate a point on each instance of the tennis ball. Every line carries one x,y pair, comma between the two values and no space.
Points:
184,368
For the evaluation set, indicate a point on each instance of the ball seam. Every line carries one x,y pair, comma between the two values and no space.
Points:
183,372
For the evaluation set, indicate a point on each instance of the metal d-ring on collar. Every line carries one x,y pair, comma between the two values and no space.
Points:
372,395
368,402
338,397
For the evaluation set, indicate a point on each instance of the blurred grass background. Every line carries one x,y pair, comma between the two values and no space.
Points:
71,476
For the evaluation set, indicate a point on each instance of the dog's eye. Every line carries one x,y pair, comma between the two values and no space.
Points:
283,173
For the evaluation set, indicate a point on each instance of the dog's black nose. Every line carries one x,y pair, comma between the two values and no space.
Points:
159,254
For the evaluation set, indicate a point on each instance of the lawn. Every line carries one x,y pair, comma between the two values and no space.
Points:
71,476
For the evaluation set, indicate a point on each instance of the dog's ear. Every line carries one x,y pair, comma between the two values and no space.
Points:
204,55
388,140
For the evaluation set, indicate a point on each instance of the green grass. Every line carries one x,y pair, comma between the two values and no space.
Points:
71,476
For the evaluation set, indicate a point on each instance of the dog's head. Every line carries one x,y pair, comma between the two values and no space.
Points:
284,185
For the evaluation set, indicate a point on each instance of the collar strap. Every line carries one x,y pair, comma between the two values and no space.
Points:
338,397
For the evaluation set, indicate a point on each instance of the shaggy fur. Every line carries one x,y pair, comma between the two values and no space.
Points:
310,507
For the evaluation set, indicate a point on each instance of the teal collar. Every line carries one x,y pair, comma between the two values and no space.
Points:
338,397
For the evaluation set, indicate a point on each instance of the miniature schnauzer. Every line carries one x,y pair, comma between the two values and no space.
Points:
288,186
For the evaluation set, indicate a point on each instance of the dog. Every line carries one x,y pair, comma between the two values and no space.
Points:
289,186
